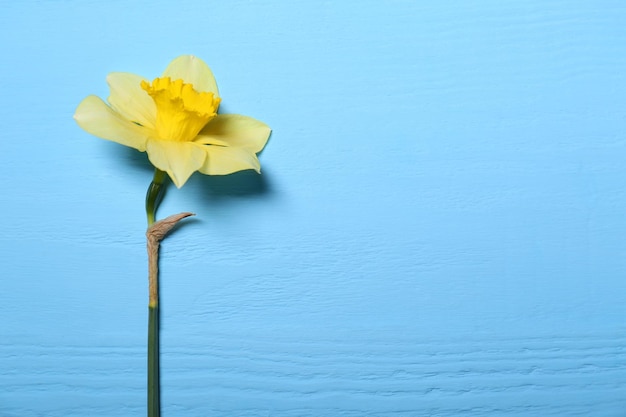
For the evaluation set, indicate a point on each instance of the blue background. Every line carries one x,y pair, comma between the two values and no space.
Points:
439,228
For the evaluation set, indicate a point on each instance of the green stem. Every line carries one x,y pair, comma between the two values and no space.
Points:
153,197
154,403
154,194
155,234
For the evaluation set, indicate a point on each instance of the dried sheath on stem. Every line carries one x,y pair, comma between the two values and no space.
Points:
155,234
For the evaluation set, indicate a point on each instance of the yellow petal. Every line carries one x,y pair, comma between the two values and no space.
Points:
235,130
178,159
93,115
194,71
226,160
130,100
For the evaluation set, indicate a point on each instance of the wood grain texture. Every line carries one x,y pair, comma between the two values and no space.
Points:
438,229
256,376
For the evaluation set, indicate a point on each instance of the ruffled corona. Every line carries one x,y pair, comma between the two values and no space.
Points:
181,110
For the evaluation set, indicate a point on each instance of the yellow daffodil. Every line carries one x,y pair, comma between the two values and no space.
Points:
174,119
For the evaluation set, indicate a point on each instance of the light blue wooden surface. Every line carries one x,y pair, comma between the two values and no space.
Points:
439,230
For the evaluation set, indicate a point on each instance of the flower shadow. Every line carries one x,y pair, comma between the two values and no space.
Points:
238,185
129,157
209,189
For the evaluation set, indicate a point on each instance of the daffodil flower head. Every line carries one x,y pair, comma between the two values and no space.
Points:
174,119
